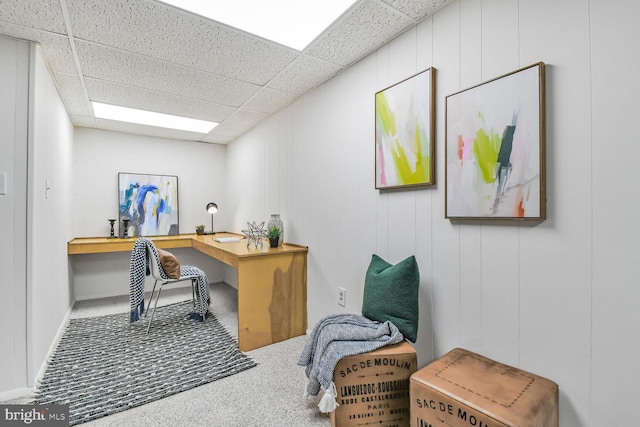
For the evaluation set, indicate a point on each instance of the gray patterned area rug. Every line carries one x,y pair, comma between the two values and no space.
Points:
103,365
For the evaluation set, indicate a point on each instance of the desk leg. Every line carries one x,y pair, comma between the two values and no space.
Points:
272,299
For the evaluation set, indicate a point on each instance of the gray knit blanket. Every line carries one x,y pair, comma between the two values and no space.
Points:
337,336
139,269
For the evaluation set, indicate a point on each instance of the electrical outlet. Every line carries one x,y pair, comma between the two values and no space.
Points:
342,296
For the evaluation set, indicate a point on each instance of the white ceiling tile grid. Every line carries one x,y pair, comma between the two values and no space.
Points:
148,55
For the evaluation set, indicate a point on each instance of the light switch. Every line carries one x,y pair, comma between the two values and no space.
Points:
3,183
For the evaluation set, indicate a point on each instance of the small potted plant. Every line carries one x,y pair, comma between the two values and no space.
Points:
273,234
200,230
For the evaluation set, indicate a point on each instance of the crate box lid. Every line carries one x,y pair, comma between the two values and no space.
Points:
403,347
502,392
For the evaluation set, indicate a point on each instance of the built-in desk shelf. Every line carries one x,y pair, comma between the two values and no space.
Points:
272,282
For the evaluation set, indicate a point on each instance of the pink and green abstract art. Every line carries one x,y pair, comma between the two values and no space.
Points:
495,148
404,132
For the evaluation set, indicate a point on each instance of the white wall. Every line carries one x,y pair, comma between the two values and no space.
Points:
49,296
557,298
14,75
100,155
37,141
615,295
98,158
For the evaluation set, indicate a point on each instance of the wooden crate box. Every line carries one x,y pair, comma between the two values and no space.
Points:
373,388
463,389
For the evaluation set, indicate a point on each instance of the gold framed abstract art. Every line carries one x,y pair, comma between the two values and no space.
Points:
495,148
404,136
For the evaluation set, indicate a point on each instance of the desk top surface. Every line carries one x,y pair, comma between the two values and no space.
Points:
240,249
94,245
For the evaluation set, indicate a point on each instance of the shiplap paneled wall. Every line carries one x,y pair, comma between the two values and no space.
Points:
615,256
558,298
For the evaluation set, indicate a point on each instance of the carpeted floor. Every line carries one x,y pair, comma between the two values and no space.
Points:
104,365
269,394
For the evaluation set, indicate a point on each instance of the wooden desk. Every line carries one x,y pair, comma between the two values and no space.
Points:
272,282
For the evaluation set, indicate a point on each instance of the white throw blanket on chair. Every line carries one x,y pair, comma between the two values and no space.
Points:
337,336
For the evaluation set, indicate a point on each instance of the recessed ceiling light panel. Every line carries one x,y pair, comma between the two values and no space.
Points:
293,23
150,118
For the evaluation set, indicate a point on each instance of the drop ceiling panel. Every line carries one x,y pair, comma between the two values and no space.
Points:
161,31
303,74
225,133
417,9
82,121
36,14
139,71
245,118
69,86
134,97
270,100
78,107
367,27
244,58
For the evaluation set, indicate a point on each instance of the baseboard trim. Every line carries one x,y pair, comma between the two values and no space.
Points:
15,394
52,348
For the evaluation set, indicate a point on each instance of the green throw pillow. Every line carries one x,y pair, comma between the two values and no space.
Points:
391,293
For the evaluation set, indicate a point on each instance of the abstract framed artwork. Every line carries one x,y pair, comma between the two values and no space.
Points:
150,203
404,133
495,148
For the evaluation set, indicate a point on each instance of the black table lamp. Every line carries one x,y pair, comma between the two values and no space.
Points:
212,208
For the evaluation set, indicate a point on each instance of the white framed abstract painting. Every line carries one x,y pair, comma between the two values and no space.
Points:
495,148
404,120
149,203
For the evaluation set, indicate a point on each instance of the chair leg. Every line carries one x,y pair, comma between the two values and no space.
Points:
150,298
154,307
199,297
193,292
